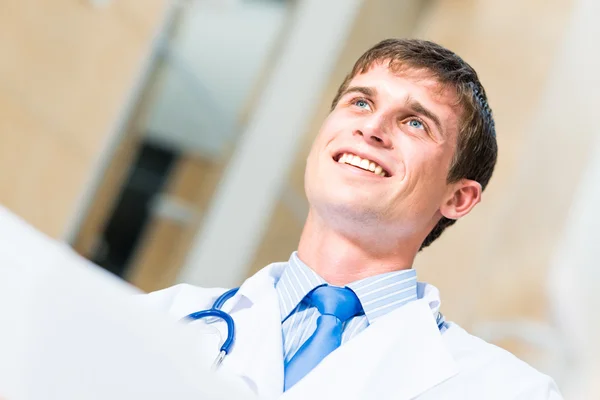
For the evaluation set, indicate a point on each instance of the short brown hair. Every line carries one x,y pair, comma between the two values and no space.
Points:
476,149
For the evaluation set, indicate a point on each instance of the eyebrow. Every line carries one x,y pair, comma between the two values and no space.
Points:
419,108
367,91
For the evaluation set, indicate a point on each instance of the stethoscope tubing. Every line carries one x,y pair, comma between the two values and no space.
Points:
216,312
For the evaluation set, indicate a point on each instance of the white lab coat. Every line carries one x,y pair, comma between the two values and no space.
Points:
401,356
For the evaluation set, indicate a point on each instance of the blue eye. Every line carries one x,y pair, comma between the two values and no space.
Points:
361,103
415,123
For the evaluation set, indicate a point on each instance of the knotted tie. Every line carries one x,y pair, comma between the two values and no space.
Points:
336,305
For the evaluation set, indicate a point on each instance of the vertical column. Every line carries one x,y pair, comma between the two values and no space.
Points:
115,134
243,202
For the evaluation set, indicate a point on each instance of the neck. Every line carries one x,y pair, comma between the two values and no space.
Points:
344,258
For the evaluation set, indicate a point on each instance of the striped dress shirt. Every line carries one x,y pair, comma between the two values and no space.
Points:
378,296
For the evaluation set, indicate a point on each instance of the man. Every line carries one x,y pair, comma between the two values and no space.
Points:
407,149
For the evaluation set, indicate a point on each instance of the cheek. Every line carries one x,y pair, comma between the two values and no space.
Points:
434,181
322,138
329,132
316,151
423,172
416,162
313,160
400,172
338,122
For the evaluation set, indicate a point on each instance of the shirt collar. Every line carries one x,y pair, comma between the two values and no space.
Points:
383,293
378,294
296,281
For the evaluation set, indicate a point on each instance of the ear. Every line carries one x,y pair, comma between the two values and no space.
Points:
462,197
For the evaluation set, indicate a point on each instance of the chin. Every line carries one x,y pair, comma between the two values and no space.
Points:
353,213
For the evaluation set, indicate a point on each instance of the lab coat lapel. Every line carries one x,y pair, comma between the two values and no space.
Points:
257,355
399,356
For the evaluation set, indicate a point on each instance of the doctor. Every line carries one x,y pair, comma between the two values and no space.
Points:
407,149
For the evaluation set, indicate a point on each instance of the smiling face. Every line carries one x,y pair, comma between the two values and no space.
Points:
382,156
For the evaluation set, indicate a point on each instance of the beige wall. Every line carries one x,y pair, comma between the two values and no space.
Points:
499,254
66,71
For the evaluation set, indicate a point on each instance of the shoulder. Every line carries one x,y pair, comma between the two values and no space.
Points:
492,372
181,300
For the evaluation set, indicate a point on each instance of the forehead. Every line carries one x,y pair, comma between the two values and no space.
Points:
406,80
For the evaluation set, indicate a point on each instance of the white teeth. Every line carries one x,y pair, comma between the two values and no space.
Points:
362,163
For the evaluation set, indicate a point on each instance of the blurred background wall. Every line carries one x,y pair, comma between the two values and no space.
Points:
166,141
66,72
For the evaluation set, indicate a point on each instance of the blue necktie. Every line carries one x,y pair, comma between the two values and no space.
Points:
336,305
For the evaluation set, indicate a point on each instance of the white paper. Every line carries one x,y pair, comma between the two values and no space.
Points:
69,330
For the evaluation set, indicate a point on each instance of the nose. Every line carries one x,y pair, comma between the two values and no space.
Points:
374,132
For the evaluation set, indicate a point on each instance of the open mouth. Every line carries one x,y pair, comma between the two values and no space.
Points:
362,163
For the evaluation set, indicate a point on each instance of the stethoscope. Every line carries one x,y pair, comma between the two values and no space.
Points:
216,312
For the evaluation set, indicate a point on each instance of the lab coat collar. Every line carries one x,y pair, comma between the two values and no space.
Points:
258,358
253,289
431,295
400,365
